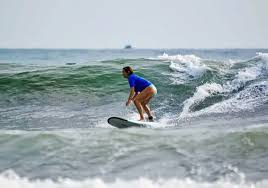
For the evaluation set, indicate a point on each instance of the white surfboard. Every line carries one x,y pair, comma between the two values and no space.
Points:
123,123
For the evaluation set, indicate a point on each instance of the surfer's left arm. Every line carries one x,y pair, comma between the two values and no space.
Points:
134,97
131,96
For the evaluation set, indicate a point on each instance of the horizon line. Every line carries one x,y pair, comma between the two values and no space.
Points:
134,48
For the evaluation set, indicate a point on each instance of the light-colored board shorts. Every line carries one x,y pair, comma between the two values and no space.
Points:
154,88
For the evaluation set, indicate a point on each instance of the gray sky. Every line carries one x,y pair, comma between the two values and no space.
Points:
141,23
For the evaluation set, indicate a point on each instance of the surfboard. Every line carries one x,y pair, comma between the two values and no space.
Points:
124,123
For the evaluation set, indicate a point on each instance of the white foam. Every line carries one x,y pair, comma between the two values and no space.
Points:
250,98
243,76
185,66
250,73
11,180
231,62
247,99
181,58
134,116
263,56
202,92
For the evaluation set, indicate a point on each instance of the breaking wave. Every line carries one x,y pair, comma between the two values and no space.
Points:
12,180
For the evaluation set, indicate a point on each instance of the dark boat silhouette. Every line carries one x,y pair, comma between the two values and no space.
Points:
128,47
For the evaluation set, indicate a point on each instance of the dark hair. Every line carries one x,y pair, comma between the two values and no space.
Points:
128,70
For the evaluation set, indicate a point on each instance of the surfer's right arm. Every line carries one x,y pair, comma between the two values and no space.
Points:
131,96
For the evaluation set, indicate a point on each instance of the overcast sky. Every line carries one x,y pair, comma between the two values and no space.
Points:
141,23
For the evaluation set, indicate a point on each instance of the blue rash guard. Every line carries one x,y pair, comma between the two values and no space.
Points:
137,82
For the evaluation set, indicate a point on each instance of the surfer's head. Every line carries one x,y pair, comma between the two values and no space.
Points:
126,71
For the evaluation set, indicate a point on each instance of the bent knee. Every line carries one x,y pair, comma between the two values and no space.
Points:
137,101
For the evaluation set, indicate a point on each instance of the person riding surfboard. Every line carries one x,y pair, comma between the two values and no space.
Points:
141,92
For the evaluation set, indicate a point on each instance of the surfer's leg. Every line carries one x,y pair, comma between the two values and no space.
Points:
139,108
143,99
146,107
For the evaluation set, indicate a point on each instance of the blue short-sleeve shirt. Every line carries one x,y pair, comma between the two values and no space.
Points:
138,82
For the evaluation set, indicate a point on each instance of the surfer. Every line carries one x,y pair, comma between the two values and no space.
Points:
141,92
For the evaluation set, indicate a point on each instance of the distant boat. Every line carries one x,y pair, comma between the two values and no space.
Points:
128,47
70,63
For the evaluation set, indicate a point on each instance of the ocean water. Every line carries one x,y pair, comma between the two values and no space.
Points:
211,113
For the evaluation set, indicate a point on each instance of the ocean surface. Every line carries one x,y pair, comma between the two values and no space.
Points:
211,114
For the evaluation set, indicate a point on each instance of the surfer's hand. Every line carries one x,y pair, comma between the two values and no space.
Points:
128,102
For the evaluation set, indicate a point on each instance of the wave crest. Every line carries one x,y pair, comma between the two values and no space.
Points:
12,180
185,66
